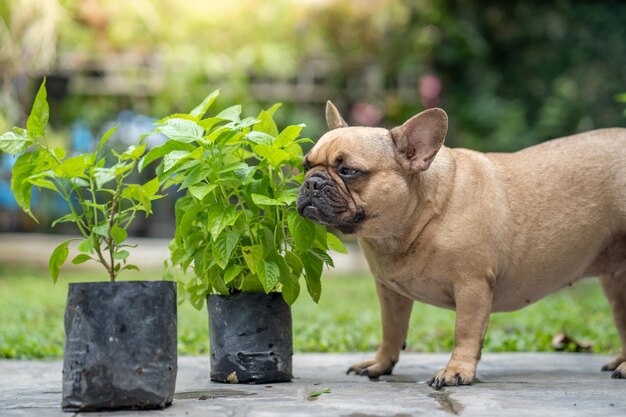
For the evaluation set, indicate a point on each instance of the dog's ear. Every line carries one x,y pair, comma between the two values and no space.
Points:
420,138
333,118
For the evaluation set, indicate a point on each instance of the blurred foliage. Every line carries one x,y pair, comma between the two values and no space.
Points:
510,74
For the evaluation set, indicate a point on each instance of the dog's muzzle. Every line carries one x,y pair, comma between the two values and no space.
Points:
320,200
313,197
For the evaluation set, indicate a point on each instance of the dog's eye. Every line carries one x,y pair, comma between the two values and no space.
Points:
348,172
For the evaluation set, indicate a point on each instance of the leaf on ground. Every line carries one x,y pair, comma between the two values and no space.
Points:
316,394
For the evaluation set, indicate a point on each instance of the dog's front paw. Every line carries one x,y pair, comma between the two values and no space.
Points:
372,368
618,366
456,373
614,364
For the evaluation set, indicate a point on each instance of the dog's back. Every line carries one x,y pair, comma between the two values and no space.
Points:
567,200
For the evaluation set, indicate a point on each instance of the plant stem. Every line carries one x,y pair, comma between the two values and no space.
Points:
101,257
109,240
79,222
92,190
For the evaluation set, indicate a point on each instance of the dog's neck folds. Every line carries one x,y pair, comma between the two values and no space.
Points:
428,200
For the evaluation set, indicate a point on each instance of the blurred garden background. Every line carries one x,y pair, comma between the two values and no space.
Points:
509,74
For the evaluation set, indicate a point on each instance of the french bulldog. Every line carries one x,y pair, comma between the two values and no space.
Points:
473,232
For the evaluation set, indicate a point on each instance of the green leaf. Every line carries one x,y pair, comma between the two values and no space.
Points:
320,253
231,273
200,191
232,113
173,158
70,217
159,151
27,165
253,255
137,193
245,174
151,187
288,135
221,217
247,122
120,254
57,259
103,175
182,130
59,152
181,290
133,152
316,394
223,247
39,114
335,244
186,221
217,280
40,182
118,234
102,229
289,196
78,182
262,200
210,123
202,108
105,138
259,138
268,274
234,167
194,176
81,258
131,267
294,262
14,143
290,287
267,124
302,230
72,167
86,246
313,273
196,293
273,155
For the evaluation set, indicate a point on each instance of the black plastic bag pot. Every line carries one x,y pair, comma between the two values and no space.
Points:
251,339
120,346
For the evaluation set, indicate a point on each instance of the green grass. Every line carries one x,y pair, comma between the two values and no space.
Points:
346,319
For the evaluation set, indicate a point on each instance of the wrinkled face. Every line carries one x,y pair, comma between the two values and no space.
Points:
353,181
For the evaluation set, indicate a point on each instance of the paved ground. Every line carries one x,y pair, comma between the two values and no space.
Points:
511,384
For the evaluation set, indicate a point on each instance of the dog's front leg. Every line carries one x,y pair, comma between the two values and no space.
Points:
395,312
473,307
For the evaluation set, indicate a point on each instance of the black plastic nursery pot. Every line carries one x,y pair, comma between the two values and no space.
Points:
251,338
120,346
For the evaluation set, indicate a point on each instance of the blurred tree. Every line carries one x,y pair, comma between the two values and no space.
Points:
28,36
510,74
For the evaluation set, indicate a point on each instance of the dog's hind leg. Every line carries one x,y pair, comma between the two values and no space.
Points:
614,287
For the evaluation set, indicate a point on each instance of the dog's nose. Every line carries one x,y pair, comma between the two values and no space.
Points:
315,183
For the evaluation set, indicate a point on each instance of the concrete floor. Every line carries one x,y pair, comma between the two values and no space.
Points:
511,384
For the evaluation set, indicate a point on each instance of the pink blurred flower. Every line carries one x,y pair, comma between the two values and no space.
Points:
430,89
366,114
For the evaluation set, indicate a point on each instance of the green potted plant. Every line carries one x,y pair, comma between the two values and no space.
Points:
238,230
120,337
